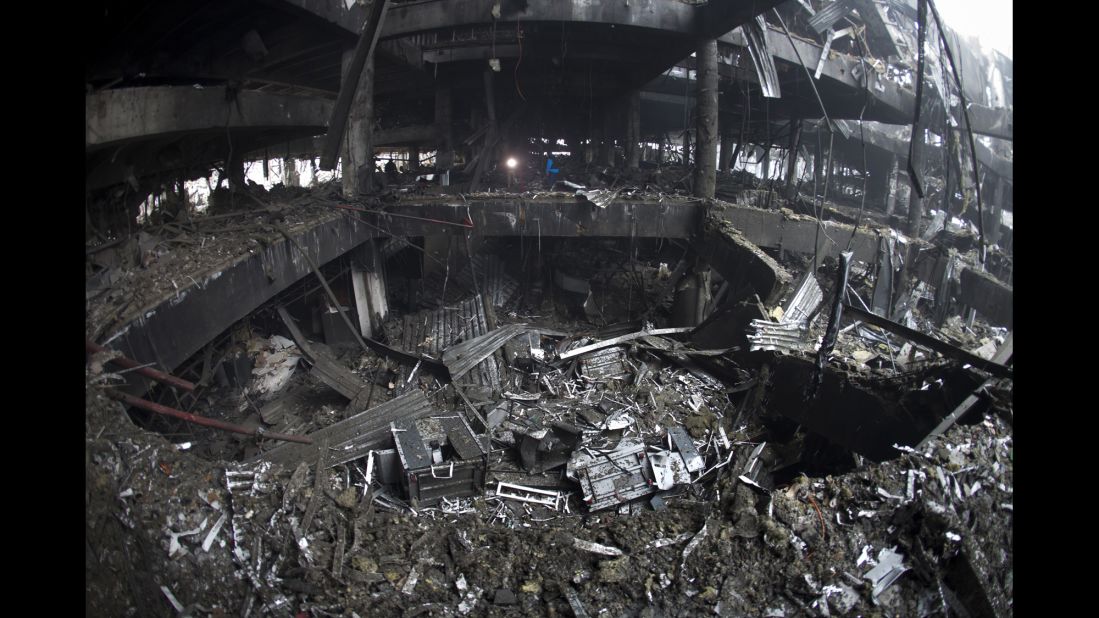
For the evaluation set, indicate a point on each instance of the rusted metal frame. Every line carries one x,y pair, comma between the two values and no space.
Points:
145,404
91,347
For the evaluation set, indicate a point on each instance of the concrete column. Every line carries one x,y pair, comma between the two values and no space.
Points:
368,284
877,185
792,167
819,176
413,159
488,150
660,151
915,213
606,152
891,198
994,207
706,120
735,157
444,157
633,130
687,147
234,171
358,145
290,177
725,155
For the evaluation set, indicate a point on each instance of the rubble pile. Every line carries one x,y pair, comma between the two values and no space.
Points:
622,470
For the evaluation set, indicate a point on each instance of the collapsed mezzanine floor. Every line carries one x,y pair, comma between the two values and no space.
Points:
803,525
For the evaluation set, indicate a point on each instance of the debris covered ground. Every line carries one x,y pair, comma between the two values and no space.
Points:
614,464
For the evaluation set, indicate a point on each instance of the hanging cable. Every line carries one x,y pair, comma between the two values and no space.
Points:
519,37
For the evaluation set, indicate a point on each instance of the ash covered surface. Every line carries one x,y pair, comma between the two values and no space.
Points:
804,549
772,520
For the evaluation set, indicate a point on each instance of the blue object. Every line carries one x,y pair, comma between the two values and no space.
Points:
550,169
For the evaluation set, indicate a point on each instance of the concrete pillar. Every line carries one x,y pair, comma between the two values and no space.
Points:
444,133
792,167
633,130
487,155
606,152
877,185
358,145
736,156
687,147
368,284
819,175
660,151
994,207
413,159
891,198
706,120
725,156
915,213
234,171
290,177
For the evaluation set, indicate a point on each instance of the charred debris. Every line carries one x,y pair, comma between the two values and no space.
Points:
746,353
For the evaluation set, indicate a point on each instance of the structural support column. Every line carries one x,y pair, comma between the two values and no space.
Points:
444,158
490,135
725,156
792,168
358,144
606,152
234,171
891,198
706,120
368,283
290,176
633,131
993,223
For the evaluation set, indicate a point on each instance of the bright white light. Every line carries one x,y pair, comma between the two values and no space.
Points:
512,163
988,20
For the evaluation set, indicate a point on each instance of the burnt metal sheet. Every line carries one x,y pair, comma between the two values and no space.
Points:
353,437
780,336
611,478
827,17
941,347
461,437
755,32
327,370
336,376
460,358
410,445
883,284
431,332
804,302
686,447
605,364
487,276
598,345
